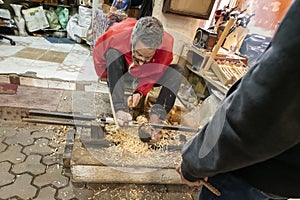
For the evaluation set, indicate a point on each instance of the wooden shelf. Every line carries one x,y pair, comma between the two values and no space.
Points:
210,78
199,59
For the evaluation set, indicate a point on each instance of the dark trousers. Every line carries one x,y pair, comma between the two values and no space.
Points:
233,188
118,77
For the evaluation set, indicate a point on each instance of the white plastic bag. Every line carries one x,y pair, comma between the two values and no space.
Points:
85,16
35,19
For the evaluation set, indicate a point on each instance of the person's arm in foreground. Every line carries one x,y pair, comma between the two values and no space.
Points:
260,119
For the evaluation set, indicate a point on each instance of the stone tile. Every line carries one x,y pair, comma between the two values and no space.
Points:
4,79
53,56
21,187
22,137
10,50
80,47
27,81
88,72
46,193
66,193
67,72
40,82
61,84
15,65
41,54
52,159
40,146
6,177
97,87
30,53
29,39
2,147
32,164
52,176
6,131
46,132
33,98
77,59
44,69
13,154
62,47
40,43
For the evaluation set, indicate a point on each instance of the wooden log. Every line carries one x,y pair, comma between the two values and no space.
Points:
106,174
127,175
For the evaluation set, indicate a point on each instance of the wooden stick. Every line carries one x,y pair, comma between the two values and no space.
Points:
219,43
112,107
210,187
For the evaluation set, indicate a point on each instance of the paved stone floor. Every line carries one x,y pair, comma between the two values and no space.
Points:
31,167
31,163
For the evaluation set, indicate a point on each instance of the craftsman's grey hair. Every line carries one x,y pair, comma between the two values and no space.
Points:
148,30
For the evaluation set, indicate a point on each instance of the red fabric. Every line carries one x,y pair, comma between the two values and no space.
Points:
118,37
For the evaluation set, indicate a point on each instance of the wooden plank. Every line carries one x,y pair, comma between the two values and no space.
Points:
105,174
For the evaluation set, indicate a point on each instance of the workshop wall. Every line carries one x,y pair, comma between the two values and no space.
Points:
268,14
181,28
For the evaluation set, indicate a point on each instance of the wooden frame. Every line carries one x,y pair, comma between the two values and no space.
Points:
192,8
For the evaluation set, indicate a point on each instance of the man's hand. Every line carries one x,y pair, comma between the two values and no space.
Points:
154,119
122,117
133,100
155,134
191,184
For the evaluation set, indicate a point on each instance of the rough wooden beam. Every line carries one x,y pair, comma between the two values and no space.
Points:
106,174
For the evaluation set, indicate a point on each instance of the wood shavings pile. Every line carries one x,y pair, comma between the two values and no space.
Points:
126,141
127,138
116,156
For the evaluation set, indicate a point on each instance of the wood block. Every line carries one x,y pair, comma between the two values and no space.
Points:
105,174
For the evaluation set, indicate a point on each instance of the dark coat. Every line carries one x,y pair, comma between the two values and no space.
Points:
255,132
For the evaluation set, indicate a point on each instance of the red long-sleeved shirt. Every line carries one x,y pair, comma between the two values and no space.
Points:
118,36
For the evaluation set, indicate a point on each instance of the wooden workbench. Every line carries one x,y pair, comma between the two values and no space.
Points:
112,164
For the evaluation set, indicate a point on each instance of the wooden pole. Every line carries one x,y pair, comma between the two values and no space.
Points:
112,107
219,43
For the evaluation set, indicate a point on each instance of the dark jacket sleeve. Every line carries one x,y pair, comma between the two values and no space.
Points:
260,118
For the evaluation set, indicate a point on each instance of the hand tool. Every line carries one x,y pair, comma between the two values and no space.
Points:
146,129
61,115
143,128
210,187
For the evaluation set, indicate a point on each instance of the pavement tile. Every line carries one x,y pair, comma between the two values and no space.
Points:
52,176
66,193
21,187
2,146
46,193
52,159
46,132
40,147
6,131
21,137
33,98
13,154
32,164
6,177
